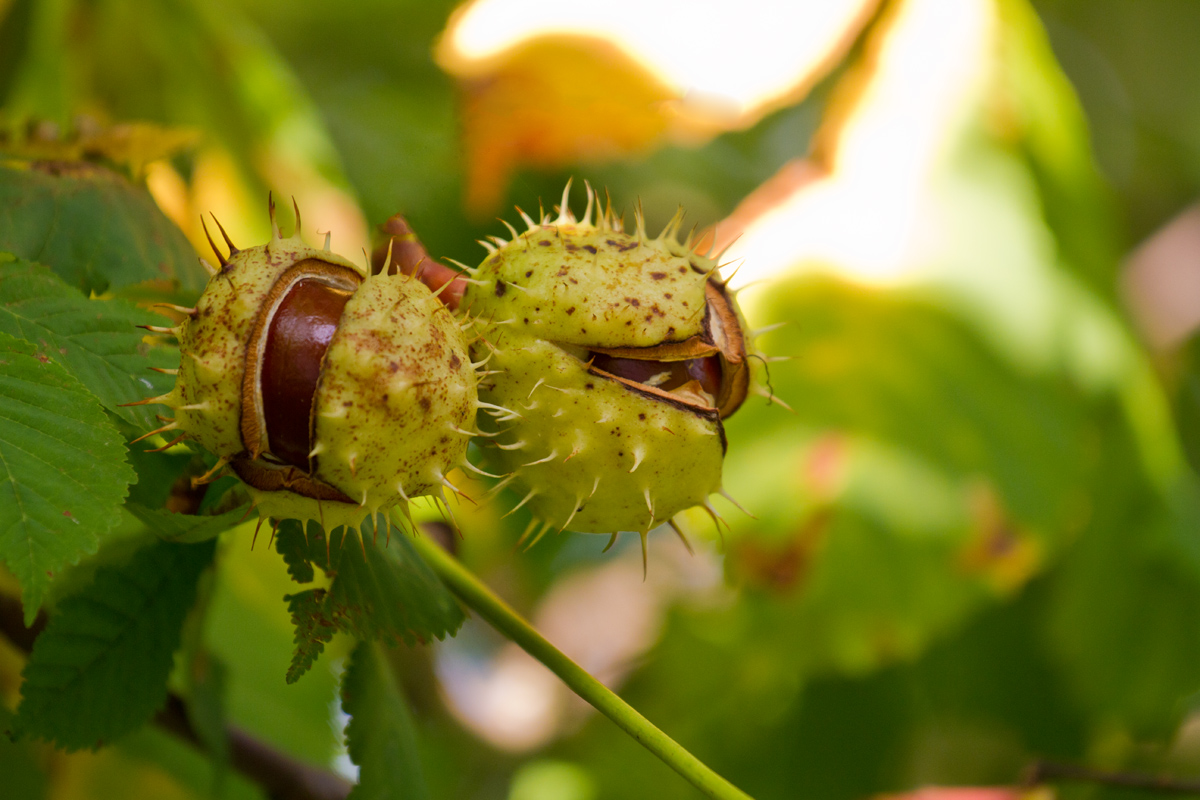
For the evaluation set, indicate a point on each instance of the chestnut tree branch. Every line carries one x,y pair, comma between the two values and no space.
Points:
1041,772
281,776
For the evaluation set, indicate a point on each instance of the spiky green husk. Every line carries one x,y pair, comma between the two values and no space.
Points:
393,408
596,455
282,504
586,452
395,404
593,287
397,396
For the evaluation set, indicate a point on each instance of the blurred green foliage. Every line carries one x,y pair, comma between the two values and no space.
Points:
976,542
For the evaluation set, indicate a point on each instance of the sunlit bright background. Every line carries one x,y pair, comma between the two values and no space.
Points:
729,63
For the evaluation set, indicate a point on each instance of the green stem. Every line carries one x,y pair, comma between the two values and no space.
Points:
479,597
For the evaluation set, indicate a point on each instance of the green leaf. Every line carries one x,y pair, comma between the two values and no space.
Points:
19,764
873,597
30,80
901,371
1123,623
157,473
93,227
1186,399
63,474
315,627
1123,610
381,590
207,681
408,110
249,629
100,668
295,544
391,594
97,340
996,673
381,737
1051,133
187,528
224,494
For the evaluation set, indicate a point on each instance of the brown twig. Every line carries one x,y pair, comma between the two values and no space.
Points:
397,239
280,775
1053,772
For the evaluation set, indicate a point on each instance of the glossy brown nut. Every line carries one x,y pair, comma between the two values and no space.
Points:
297,338
284,358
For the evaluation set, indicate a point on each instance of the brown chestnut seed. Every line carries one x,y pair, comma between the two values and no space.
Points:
283,360
297,339
707,370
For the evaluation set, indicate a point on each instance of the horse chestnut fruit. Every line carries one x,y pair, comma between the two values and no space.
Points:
332,393
612,358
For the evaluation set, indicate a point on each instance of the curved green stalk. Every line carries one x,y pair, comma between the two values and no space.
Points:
483,601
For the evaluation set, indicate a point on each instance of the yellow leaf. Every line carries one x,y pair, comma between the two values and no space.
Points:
550,84
136,144
129,145
552,101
